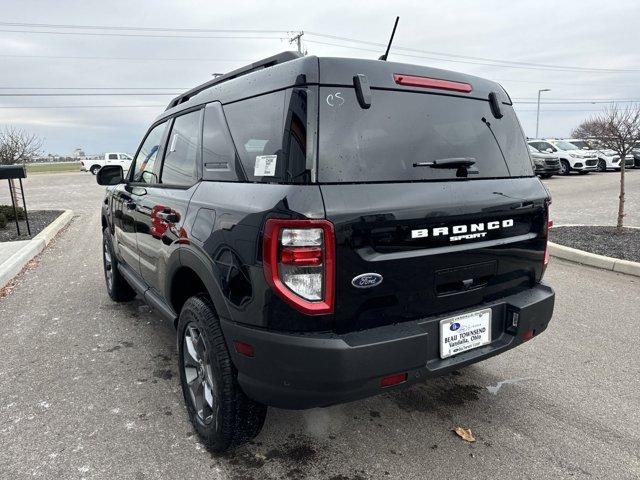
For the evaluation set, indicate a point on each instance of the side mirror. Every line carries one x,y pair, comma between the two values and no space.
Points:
549,150
149,177
110,175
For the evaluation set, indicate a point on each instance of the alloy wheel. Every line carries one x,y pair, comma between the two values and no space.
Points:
108,266
199,375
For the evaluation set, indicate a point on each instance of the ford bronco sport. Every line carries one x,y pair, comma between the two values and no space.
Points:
320,230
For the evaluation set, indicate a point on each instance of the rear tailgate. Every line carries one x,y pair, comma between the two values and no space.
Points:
412,235
442,239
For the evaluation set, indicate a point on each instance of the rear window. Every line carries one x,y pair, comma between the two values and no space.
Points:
384,142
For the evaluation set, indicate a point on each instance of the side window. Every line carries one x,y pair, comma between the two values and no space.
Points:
113,156
180,166
256,126
218,152
146,156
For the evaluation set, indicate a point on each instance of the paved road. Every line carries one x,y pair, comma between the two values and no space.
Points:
89,389
593,199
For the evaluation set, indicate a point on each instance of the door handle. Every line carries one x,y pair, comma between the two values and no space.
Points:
169,216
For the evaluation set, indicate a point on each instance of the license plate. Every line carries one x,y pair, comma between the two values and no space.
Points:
465,332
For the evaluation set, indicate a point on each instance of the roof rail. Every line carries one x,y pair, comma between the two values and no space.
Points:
259,65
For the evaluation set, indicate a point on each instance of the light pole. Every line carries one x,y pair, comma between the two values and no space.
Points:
538,111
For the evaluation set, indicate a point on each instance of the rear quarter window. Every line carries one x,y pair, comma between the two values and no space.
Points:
270,133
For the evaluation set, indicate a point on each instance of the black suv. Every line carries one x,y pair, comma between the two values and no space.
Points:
320,230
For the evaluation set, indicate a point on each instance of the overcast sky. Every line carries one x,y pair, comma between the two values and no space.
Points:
587,34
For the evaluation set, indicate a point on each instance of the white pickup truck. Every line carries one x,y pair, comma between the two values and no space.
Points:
110,158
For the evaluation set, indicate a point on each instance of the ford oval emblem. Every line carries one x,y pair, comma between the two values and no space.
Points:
454,326
367,280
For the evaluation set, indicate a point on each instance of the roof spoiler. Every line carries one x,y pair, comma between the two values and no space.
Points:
259,65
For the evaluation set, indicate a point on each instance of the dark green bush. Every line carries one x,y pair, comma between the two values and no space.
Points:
3,220
7,211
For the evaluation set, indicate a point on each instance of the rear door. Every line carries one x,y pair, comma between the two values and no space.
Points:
442,239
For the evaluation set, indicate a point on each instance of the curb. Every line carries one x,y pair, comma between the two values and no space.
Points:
14,264
592,259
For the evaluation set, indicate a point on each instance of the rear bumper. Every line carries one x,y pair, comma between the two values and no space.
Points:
313,370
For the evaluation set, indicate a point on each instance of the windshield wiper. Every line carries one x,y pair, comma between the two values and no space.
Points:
448,163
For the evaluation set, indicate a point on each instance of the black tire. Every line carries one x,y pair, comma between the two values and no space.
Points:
545,175
95,169
565,169
117,287
225,418
602,166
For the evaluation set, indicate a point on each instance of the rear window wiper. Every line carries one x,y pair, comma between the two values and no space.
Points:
448,163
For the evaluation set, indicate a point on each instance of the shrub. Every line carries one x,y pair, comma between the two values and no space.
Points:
7,212
3,220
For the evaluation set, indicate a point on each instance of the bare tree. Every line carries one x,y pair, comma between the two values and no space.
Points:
617,128
17,145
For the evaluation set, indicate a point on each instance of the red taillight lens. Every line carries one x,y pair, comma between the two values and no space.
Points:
392,380
299,263
427,82
528,335
243,348
301,256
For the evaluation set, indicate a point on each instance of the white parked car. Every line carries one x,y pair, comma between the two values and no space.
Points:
571,157
607,159
110,158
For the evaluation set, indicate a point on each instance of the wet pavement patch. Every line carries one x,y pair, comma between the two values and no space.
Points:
297,454
163,374
289,460
413,399
459,394
418,399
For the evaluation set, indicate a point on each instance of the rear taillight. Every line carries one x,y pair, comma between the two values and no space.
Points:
299,263
428,82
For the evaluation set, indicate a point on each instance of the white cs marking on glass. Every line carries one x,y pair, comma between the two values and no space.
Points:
334,99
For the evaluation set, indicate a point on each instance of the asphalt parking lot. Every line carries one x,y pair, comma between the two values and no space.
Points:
593,199
89,389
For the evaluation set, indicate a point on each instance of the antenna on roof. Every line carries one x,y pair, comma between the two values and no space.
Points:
386,54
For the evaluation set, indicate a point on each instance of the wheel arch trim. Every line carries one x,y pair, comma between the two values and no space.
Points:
204,270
